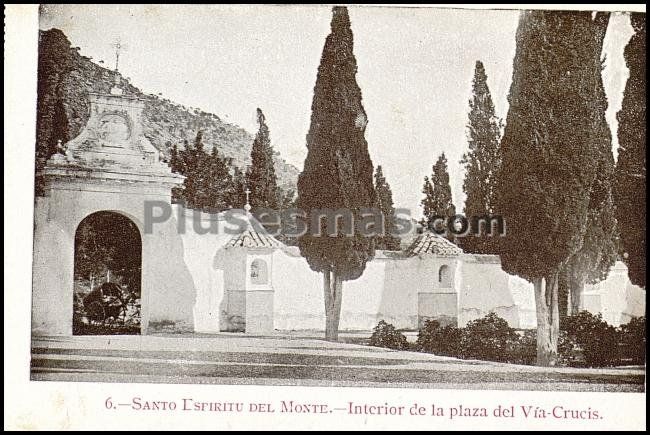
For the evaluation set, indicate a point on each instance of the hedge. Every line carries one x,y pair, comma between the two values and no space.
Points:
586,340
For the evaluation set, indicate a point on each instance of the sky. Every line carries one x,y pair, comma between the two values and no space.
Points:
415,67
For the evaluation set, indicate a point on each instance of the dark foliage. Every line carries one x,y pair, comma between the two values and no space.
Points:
437,200
630,185
587,340
337,171
482,162
261,178
633,340
488,338
385,335
209,183
389,241
555,131
439,340
598,341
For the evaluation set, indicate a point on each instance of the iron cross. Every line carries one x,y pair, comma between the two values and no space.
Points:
118,46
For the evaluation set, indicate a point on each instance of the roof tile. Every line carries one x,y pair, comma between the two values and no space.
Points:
430,243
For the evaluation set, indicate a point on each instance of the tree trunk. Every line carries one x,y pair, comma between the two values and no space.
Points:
564,294
577,284
333,289
548,319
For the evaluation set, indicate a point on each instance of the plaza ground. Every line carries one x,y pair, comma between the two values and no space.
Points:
298,359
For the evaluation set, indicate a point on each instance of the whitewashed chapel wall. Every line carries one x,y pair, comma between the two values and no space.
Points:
390,289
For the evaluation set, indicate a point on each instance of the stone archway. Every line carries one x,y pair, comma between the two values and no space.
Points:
119,172
107,275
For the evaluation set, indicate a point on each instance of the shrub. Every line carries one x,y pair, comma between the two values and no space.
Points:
440,341
488,338
598,341
569,352
585,340
524,349
385,335
633,340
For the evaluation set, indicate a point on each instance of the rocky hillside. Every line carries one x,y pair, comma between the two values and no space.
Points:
64,79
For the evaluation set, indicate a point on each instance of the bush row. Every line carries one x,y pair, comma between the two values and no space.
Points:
585,340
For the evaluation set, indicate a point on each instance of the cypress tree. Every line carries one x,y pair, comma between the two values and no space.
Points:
598,253
482,162
196,164
630,183
218,182
549,147
236,193
385,204
338,171
261,178
437,203
176,165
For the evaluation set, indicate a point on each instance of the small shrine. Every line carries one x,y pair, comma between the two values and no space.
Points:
248,278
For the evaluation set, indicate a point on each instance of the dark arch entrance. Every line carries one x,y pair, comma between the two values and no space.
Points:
107,275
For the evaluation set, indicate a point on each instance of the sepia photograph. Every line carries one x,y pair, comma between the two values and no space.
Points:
355,196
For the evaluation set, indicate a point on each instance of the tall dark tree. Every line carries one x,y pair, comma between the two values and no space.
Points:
54,64
550,143
592,263
195,163
52,124
389,241
437,203
630,185
482,162
599,250
338,171
237,192
261,178
219,181
176,164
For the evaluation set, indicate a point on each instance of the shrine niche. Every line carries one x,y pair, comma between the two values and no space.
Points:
259,272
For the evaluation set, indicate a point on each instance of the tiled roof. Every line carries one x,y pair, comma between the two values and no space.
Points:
430,243
254,237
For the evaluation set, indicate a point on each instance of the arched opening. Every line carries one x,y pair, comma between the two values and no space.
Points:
444,276
259,272
107,275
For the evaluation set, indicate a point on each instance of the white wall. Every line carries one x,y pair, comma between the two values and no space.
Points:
486,287
203,258
616,297
185,274
387,290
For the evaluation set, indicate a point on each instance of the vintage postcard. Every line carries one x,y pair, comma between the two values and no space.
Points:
325,216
